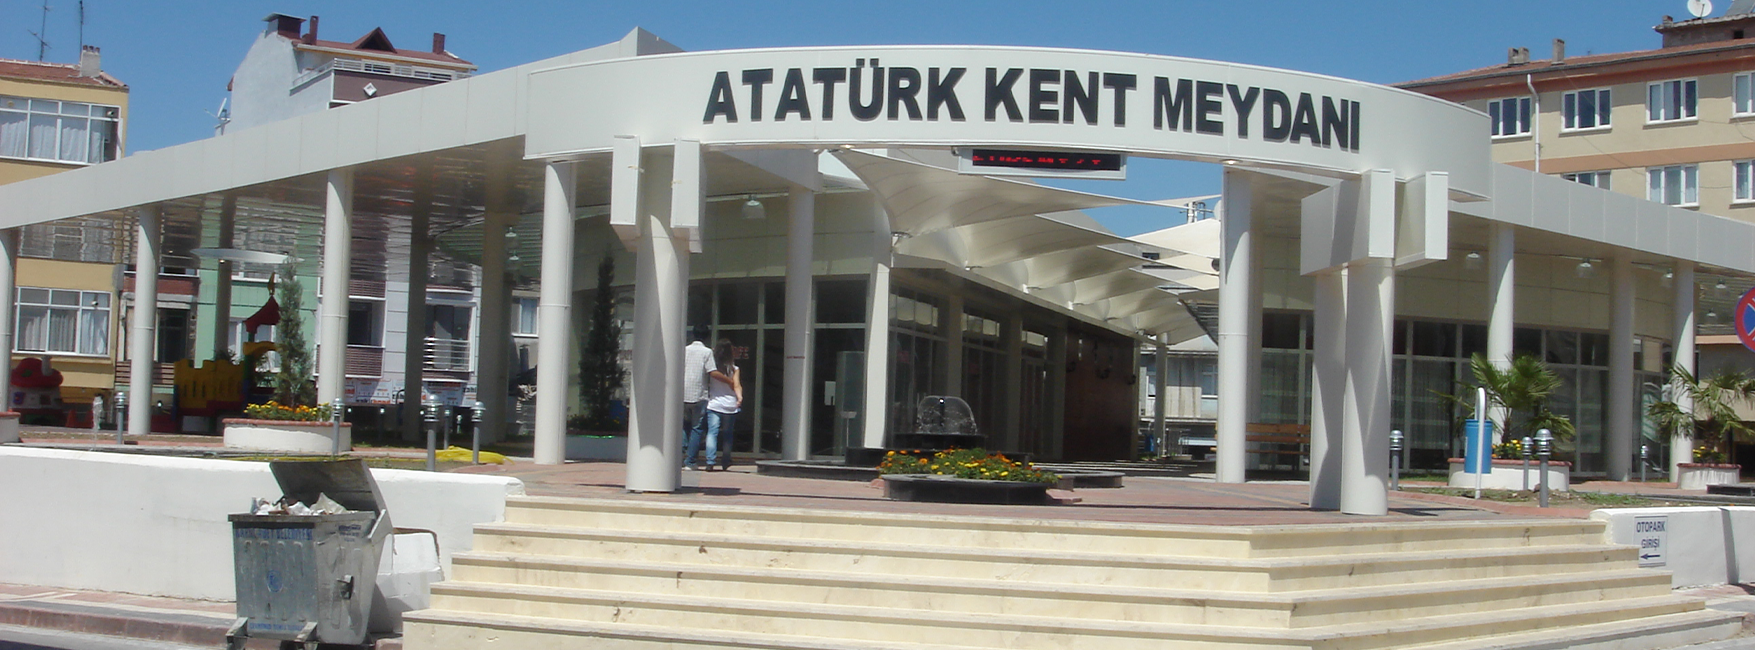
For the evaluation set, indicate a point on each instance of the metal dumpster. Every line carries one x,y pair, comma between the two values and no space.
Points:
310,578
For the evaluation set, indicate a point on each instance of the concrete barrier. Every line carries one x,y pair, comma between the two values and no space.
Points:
1706,545
157,525
1513,475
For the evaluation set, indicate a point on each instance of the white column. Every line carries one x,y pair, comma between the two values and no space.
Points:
1328,391
143,331
1618,445
877,337
1501,298
660,302
222,285
9,289
1236,265
1011,425
1681,445
1370,321
337,257
800,325
1160,387
555,313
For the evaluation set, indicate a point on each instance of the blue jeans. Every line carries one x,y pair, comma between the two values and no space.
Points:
720,428
694,429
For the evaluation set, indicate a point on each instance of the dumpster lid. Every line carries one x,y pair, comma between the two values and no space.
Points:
347,482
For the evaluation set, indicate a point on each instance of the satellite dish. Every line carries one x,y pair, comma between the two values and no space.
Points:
1699,8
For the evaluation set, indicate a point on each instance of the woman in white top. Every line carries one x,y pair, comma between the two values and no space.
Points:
724,401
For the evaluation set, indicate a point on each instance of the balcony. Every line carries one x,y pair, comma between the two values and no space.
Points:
451,355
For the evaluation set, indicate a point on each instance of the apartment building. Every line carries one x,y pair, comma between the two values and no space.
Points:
56,117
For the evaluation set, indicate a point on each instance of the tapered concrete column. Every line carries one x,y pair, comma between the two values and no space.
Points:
1160,388
1618,447
1236,267
222,285
1682,329
143,330
337,262
9,289
414,346
953,329
493,362
661,274
1011,424
800,325
1370,322
555,313
876,415
1328,390
1501,298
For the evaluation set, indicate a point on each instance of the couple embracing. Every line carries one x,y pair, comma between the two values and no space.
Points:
712,397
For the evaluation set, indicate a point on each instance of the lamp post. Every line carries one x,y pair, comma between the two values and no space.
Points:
1526,449
1644,454
1544,450
1395,459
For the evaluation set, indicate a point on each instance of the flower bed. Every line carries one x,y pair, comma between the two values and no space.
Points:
1696,476
1509,475
293,436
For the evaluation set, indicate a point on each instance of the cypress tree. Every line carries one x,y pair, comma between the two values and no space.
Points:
600,368
292,385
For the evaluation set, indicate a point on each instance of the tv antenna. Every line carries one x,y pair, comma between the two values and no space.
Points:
1699,8
42,43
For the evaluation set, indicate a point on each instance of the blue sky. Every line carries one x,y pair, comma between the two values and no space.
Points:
177,55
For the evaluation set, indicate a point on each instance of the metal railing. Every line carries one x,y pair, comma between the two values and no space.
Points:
374,67
447,354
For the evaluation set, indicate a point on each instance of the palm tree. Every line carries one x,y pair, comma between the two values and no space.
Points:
1521,388
1713,418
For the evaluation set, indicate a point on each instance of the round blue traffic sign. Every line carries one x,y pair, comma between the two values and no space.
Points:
1745,311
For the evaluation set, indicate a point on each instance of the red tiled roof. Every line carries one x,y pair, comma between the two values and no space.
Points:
57,72
1576,62
412,54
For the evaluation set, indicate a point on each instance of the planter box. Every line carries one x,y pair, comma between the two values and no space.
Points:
286,436
1696,476
948,489
1509,475
614,448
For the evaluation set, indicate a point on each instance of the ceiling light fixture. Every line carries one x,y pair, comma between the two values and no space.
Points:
753,210
1585,268
1472,260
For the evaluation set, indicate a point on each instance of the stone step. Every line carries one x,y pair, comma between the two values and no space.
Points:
724,616
1050,566
483,571
1065,535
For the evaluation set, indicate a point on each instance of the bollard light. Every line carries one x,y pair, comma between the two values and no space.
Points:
1395,459
335,417
1525,448
1544,450
430,413
475,434
1644,453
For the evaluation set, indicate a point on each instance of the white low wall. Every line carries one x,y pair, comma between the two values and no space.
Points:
1704,545
1509,475
1696,476
157,525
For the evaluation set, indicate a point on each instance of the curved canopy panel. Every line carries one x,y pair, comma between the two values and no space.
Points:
993,243
1104,287
1077,264
922,199
1198,238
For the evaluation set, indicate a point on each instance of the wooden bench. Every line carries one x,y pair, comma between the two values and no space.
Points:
1277,441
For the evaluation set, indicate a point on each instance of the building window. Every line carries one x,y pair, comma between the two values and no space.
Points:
1674,185
1510,116
1586,109
1668,101
1743,94
524,316
63,320
45,129
1743,185
364,323
173,335
1599,180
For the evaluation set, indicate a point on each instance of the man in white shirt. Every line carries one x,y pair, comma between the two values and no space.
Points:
697,362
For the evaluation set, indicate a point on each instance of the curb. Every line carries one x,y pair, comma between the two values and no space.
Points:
162,625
